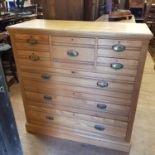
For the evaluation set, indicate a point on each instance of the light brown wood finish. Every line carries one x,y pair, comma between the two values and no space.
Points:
55,100
69,120
78,84
60,52
88,83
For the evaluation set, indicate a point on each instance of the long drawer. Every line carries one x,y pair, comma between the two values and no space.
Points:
77,103
100,84
78,73
95,125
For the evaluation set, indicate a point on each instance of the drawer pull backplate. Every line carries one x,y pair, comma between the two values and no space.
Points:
117,66
32,41
101,106
34,57
45,76
50,117
72,53
99,127
102,84
118,47
47,98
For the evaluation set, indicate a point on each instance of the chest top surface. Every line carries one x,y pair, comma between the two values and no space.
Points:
131,30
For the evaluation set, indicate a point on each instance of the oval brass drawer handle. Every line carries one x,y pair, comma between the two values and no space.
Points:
117,66
45,76
34,57
118,47
51,118
101,106
99,127
32,41
48,98
72,53
102,84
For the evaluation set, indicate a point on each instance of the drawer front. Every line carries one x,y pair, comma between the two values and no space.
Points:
38,63
94,125
79,73
27,46
78,92
73,54
112,62
100,84
27,54
32,37
58,101
127,54
32,42
33,58
128,44
73,40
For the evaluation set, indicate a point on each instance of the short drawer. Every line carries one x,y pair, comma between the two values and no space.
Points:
33,58
37,63
32,38
117,64
73,40
73,54
93,125
64,102
127,54
128,44
27,54
32,42
36,47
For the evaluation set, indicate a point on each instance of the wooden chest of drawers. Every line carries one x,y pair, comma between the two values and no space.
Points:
81,80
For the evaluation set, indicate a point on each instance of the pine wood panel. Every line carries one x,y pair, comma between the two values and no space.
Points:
24,54
70,120
88,83
27,46
128,44
54,100
73,40
25,37
78,73
84,54
131,64
128,54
